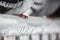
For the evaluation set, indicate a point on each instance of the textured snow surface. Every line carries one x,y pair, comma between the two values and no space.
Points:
13,25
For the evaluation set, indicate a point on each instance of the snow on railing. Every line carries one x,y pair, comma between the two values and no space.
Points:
34,28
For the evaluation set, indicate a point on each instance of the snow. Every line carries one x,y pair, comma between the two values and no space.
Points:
13,25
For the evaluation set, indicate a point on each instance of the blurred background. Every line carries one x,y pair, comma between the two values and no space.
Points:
49,8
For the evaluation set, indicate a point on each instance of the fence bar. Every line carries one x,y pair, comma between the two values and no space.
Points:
9,37
26,37
53,36
59,36
17,37
1,38
45,37
35,37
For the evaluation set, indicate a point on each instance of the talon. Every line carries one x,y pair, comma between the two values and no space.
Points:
23,16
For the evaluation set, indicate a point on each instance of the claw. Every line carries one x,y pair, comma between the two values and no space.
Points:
23,16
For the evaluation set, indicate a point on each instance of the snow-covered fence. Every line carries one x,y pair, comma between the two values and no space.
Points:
34,28
53,36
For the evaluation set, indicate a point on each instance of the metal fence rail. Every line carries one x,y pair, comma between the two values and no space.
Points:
53,36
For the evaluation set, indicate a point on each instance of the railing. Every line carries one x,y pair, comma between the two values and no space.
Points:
43,32
53,36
